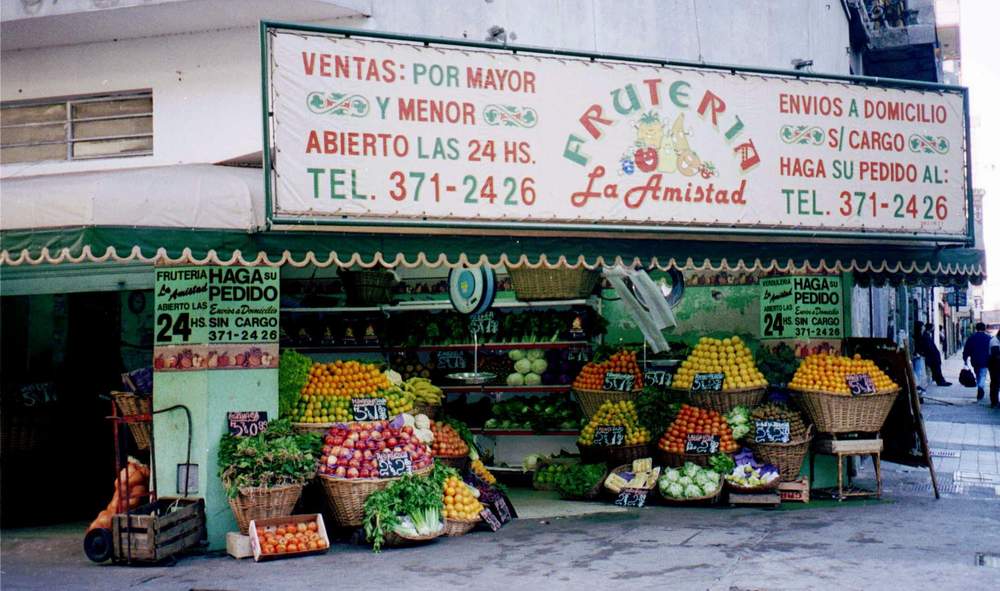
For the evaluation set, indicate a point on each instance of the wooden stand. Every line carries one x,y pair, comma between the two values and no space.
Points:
844,448
768,499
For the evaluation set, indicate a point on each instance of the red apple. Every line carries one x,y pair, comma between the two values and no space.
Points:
349,443
352,472
354,463
365,473
341,472
392,442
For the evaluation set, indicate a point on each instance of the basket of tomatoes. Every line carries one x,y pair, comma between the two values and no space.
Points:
592,383
449,448
701,423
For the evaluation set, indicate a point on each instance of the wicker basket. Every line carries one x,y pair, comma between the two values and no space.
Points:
786,456
262,502
676,460
460,463
368,287
591,400
320,428
619,470
833,413
703,500
132,405
726,400
394,539
431,410
455,527
612,454
552,284
346,496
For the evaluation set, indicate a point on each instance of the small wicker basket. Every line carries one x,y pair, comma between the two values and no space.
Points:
786,456
456,527
753,490
346,496
724,401
591,400
253,503
619,470
552,284
133,405
591,494
368,287
710,499
837,413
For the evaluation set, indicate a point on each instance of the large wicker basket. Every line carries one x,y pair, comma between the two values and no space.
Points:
786,456
836,413
346,496
590,494
591,400
133,405
262,502
726,400
619,470
456,527
552,284
613,455
369,287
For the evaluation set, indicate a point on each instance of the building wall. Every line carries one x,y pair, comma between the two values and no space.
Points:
206,86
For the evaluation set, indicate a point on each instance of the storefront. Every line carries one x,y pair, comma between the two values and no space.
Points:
733,189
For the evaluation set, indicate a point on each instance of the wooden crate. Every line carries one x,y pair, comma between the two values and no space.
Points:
796,491
259,556
768,499
158,530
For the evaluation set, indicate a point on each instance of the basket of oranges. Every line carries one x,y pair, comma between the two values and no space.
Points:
742,383
613,435
590,385
692,420
461,507
822,383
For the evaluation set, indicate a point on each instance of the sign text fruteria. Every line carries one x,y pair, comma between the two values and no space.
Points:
381,131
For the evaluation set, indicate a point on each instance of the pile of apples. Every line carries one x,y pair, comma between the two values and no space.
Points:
349,451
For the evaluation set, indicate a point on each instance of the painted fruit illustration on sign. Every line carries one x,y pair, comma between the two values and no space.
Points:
661,151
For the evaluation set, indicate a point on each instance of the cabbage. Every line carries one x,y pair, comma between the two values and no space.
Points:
701,478
516,355
672,475
539,366
690,469
711,477
709,488
675,490
515,379
692,490
532,379
534,354
685,480
522,366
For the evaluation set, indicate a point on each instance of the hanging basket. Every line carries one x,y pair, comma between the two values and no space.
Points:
254,503
591,400
368,287
724,401
456,527
346,496
786,456
836,413
132,405
552,284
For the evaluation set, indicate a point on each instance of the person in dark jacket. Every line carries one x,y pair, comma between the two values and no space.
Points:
977,353
929,349
994,366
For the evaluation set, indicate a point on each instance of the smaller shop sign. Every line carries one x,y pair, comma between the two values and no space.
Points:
247,423
701,443
707,382
801,307
772,432
657,377
450,360
393,463
618,382
860,383
632,497
369,409
609,435
490,519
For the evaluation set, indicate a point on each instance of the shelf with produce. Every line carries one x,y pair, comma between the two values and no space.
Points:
430,305
502,389
523,432
432,348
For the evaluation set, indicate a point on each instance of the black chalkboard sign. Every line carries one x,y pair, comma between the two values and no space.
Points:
701,443
618,382
247,423
369,409
771,432
658,377
502,511
707,382
609,435
450,360
490,519
393,463
860,383
632,497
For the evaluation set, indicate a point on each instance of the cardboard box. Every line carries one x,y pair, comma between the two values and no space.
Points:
255,545
796,491
238,545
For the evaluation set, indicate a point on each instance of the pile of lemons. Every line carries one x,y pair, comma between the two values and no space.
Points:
622,413
729,356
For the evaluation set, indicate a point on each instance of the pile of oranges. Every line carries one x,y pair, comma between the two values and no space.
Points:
729,356
591,377
344,379
690,420
827,373
292,537
459,502
447,441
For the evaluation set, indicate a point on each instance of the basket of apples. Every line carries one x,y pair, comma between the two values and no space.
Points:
360,458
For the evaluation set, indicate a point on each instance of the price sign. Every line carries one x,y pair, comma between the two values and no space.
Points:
450,360
578,355
860,383
247,423
772,432
618,382
393,463
490,519
658,377
631,497
701,443
503,511
609,434
483,324
707,382
801,307
369,409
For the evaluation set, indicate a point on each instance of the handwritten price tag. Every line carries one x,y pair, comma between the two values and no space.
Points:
860,383
618,382
247,423
658,377
631,497
707,382
609,435
701,443
369,409
772,432
451,360
393,463
490,519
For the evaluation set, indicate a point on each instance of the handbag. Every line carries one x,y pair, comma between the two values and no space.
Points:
967,378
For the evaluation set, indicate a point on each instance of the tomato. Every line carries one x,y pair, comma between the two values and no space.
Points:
646,159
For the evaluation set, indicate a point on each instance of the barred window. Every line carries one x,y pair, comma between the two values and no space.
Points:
78,128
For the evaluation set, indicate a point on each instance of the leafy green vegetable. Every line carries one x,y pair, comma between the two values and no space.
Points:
722,463
578,479
778,364
275,457
657,409
417,498
293,373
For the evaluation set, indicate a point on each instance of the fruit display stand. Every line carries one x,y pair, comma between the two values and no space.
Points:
720,374
848,448
616,379
591,400
612,454
723,401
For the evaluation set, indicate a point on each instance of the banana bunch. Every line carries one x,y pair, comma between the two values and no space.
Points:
423,391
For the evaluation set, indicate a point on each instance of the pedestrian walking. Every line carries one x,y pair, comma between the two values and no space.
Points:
994,367
927,347
977,354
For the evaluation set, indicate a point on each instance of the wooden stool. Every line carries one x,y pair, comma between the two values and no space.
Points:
852,447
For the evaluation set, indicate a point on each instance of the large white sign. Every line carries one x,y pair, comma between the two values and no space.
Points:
376,131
